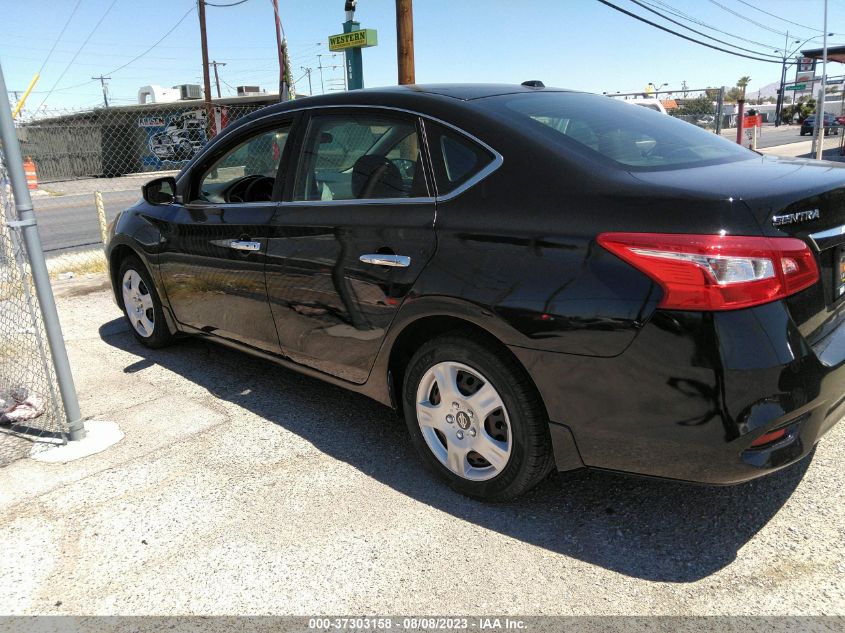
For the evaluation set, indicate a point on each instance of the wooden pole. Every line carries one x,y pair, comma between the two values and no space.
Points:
405,41
209,112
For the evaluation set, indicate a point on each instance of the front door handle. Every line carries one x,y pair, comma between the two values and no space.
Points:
378,259
242,245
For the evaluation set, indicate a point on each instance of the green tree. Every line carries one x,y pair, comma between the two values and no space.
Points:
698,105
742,84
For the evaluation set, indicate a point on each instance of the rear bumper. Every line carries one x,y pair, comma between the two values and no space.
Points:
691,393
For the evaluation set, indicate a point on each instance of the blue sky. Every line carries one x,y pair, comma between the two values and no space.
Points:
579,44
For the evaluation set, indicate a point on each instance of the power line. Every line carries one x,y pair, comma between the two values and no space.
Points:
134,59
747,19
689,18
689,28
690,39
62,32
809,28
233,4
79,50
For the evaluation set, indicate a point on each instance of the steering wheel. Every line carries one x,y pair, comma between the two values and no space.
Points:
238,191
260,189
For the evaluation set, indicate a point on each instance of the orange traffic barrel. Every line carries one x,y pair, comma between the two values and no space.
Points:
31,176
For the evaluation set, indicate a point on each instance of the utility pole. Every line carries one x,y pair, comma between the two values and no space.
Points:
105,88
282,47
818,143
320,68
308,72
405,41
216,76
209,111
684,87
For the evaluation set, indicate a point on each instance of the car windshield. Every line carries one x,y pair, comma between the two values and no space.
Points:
633,138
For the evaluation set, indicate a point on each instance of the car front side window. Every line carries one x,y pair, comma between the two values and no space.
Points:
246,172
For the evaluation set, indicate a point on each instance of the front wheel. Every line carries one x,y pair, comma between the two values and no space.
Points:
475,417
142,305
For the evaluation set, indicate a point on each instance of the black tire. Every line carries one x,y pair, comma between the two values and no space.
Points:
531,458
161,335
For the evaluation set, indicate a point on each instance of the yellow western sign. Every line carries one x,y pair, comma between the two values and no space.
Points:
353,39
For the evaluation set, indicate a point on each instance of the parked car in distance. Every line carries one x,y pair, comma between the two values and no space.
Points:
536,278
830,124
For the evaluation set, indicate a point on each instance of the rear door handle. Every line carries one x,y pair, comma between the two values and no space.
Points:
241,245
378,259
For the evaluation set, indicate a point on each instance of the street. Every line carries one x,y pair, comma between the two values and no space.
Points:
68,222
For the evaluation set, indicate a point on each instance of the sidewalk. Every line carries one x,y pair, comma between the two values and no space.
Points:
803,149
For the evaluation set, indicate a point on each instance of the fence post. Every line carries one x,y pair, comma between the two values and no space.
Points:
29,230
101,216
720,107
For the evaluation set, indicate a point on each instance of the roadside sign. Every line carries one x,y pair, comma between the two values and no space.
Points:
753,120
796,87
353,39
806,64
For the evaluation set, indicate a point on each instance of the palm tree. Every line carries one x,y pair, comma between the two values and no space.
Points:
742,84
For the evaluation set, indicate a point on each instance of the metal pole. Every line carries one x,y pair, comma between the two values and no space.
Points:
215,63
29,229
740,109
819,143
720,107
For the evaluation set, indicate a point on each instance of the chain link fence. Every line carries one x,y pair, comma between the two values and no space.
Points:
87,165
31,412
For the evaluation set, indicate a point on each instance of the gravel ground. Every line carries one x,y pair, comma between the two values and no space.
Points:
244,488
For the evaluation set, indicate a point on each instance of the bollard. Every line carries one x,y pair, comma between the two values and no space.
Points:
101,215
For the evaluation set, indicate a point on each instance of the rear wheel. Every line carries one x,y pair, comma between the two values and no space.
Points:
141,304
475,418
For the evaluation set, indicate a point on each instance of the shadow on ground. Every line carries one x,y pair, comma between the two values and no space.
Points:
649,529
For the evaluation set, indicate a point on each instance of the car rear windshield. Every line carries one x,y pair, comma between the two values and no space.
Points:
608,129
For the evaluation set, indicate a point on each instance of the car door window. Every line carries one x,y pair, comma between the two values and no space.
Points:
247,171
456,158
360,157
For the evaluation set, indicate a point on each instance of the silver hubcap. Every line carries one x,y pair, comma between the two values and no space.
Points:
138,304
464,421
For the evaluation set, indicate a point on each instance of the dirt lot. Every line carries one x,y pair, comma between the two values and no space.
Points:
241,487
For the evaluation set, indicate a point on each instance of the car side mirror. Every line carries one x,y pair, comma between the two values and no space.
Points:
160,190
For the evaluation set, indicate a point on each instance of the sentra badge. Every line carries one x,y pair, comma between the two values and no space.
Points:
798,216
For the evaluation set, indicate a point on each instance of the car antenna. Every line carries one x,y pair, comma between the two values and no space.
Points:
534,83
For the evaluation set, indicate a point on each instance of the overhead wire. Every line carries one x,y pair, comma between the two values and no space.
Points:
137,57
689,28
690,18
685,37
803,26
747,19
58,39
79,50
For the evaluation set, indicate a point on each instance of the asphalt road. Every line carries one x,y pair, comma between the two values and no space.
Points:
242,487
70,222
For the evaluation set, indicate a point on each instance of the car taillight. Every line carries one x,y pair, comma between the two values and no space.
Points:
717,272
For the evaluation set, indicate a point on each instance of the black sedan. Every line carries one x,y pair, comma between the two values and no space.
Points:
830,125
537,279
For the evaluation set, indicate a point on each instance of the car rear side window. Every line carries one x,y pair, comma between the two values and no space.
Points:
360,156
456,158
631,137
